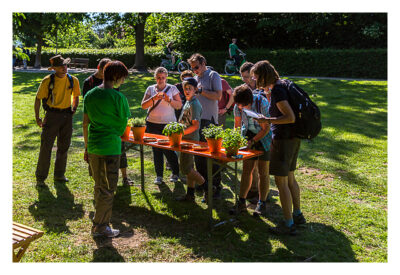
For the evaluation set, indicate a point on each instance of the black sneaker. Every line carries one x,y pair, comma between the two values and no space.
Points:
185,198
40,183
205,198
241,208
127,182
282,229
61,179
261,210
106,232
299,219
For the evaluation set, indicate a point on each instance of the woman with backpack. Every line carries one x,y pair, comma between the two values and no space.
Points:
284,147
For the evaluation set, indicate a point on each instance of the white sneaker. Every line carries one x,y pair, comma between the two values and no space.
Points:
158,180
173,178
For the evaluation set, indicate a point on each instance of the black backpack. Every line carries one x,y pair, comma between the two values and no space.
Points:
46,107
308,116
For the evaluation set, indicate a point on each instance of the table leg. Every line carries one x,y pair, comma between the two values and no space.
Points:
210,189
236,188
142,166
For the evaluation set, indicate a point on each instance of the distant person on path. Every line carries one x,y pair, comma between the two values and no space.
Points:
284,148
95,80
234,52
161,100
259,138
190,117
169,53
24,60
105,116
225,104
54,93
209,92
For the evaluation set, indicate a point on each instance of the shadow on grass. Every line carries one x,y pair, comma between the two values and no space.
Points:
54,211
241,239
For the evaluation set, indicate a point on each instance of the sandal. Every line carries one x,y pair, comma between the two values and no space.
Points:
127,182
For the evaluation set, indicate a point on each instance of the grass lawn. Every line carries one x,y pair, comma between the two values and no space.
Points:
342,176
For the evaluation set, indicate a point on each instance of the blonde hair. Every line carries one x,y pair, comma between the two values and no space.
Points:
160,70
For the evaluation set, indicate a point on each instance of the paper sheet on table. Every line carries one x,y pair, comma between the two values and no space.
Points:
252,114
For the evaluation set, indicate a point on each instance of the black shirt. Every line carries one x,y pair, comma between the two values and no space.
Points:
279,93
90,83
183,98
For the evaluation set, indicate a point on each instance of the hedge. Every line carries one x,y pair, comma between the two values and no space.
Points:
352,63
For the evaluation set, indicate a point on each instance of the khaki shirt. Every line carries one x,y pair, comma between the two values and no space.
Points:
61,92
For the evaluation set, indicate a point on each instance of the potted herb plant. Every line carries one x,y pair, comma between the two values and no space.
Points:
127,130
232,141
214,135
138,128
174,131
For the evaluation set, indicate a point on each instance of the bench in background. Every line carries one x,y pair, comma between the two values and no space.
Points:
79,62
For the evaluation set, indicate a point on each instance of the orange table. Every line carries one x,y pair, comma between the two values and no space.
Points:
220,158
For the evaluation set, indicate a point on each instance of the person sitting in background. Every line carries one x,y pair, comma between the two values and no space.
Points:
259,138
105,116
161,100
190,117
95,80
169,53
225,103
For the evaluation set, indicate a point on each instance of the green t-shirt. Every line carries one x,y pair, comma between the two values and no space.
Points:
108,113
191,111
233,48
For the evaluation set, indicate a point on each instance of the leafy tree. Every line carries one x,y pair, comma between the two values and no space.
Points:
38,25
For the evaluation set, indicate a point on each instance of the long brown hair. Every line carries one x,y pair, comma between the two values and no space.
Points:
266,73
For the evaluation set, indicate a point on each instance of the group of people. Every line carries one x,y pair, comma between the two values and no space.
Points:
201,98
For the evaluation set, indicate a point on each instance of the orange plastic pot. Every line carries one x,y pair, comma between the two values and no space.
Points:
126,133
215,145
231,151
175,139
138,133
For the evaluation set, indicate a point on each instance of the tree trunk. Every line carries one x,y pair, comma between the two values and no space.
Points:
38,57
139,37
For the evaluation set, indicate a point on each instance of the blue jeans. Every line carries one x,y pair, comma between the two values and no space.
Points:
172,158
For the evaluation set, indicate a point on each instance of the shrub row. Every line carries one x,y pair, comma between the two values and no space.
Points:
355,63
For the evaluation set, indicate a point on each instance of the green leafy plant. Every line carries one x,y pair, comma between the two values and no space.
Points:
137,122
173,127
232,139
213,131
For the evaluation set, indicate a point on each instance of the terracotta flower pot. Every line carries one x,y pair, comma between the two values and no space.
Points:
126,133
231,151
215,145
175,139
138,133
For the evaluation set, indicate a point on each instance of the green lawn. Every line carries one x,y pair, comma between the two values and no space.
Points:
342,175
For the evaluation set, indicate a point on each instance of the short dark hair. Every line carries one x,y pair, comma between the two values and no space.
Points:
103,62
246,67
243,95
266,73
197,57
115,70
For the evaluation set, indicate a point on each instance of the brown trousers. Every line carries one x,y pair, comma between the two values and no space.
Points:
54,125
105,175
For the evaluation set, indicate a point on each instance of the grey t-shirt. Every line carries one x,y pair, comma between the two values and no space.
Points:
210,81
191,111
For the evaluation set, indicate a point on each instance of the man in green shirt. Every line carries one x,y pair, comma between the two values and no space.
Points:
105,116
234,52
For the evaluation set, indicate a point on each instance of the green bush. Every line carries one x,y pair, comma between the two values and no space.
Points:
356,63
